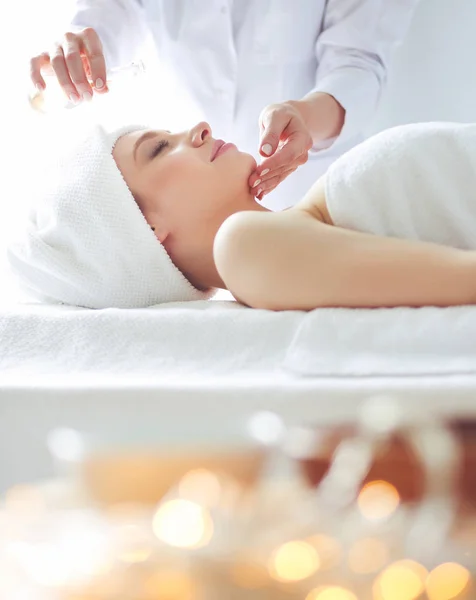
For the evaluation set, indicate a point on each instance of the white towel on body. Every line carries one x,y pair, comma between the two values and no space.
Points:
413,181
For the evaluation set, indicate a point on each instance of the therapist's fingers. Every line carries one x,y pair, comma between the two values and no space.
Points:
76,57
60,68
272,183
296,142
273,120
293,152
290,155
74,63
284,129
93,53
36,64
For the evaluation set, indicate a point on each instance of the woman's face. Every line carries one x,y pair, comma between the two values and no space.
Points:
186,185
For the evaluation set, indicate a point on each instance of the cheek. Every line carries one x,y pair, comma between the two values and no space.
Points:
236,167
178,183
184,186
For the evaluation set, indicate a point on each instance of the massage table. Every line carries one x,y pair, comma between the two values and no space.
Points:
130,374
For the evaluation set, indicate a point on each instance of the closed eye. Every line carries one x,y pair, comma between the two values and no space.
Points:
158,148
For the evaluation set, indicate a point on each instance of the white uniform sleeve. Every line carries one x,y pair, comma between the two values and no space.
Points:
120,24
353,50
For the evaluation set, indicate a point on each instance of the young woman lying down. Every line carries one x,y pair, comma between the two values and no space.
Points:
139,217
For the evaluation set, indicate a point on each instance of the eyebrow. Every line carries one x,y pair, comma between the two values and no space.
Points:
143,138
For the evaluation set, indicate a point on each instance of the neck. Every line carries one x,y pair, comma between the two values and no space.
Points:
205,274
258,207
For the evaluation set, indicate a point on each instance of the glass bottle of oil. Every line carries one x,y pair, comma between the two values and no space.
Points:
53,98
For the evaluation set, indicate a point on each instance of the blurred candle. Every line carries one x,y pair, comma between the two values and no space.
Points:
403,580
183,524
448,582
332,592
294,561
200,486
378,500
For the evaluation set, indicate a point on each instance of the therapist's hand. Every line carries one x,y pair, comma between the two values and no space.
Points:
77,61
286,140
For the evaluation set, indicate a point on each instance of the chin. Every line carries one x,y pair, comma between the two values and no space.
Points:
251,161
239,170
245,159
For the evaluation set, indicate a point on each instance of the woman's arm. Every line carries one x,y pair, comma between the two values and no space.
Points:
292,261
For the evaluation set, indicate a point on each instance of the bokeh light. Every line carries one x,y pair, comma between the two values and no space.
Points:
447,582
403,580
183,524
266,427
332,592
294,561
368,555
200,486
43,563
66,444
85,547
378,500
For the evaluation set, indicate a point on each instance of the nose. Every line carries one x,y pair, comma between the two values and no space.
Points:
200,133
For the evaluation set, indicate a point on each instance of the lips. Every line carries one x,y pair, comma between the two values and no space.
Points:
216,147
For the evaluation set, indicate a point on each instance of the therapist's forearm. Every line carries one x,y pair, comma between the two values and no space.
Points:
322,114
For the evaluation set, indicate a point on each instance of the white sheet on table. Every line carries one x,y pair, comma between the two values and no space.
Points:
170,341
181,342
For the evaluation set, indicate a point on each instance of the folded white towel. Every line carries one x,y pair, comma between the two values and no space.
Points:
87,242
395,341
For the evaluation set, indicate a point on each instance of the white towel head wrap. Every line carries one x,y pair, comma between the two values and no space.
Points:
87,242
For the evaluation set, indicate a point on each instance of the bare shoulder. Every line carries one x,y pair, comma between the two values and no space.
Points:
238,250
243,235
255,253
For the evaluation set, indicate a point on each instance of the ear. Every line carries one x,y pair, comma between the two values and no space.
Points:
160,232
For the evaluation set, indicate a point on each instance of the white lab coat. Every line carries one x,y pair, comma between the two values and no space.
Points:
234,57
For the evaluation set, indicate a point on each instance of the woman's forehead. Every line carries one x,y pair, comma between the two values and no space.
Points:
123,152
131,137
124,145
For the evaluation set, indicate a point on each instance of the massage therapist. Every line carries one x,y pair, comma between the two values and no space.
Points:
295,80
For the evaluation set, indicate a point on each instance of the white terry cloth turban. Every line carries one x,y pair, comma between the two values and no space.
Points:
88,244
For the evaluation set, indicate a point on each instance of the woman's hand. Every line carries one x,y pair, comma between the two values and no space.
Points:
285,138
73,60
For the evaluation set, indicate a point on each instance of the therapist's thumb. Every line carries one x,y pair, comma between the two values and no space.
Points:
269,143
273,123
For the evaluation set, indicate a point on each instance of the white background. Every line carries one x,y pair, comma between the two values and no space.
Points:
433,77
